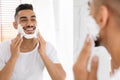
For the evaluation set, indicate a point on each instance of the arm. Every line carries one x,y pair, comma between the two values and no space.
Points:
80,66
55,70
6,72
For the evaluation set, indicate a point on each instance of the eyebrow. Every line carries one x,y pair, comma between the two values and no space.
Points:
24,17
33,16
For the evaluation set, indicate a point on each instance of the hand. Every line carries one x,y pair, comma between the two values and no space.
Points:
42,44
15,46
80,67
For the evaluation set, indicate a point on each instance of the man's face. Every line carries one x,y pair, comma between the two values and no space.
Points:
27,19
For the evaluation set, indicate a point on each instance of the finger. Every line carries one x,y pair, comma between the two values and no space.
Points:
94,67
80,67
85,53
20,42
87,46
80,73
17,37
40,37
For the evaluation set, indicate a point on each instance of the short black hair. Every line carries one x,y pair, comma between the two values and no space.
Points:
23,7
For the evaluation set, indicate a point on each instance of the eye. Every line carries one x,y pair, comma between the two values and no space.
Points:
33,19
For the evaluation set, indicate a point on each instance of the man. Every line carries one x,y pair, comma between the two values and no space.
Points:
24,58
106,13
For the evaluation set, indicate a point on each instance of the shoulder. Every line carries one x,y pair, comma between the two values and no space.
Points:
52,52
48,44
5,44
50,48
5,48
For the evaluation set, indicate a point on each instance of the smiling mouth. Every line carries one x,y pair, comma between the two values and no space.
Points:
29,30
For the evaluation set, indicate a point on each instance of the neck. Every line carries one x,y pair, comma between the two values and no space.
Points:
111,40
28,44
114,50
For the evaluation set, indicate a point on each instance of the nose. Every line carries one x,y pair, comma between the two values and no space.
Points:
29,23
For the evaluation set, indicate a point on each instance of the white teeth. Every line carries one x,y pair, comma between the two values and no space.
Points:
29,29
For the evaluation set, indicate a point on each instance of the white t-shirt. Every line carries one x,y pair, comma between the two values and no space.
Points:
29,65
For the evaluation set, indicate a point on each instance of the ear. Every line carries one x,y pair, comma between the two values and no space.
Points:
103,16
15,25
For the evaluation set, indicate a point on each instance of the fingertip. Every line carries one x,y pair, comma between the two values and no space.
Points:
19,34
95,59
88,42
88,39
95,64
94,68
38,34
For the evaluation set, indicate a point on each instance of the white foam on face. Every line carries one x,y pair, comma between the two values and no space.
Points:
92,27
27,36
